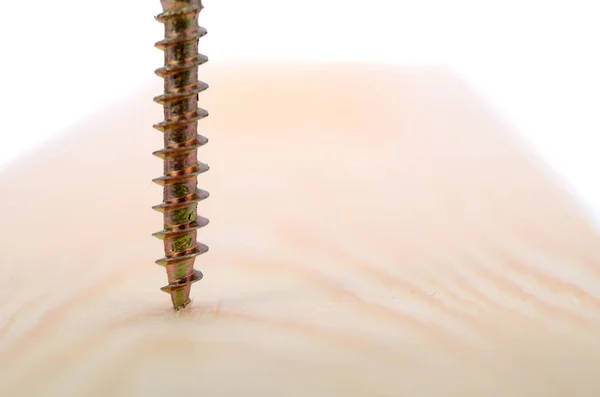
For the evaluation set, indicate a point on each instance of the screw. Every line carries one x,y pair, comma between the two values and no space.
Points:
181,142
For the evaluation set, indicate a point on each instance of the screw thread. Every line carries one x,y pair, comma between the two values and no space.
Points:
181,142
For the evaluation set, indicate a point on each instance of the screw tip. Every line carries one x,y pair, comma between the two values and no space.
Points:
181,297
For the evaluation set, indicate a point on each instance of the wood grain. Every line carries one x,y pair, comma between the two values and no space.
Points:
375,231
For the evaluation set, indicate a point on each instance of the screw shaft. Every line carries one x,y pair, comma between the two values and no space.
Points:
181,142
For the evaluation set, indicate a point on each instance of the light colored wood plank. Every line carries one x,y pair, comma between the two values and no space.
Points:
375,231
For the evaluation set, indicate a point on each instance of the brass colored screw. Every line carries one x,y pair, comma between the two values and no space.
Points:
181,142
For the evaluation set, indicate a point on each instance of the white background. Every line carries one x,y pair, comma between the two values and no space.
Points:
536,61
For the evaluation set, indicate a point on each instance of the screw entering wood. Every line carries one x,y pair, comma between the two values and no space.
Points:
181,142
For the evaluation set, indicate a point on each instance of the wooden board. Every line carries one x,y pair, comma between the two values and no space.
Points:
375,231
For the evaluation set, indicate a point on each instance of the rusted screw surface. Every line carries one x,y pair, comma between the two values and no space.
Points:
181,142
